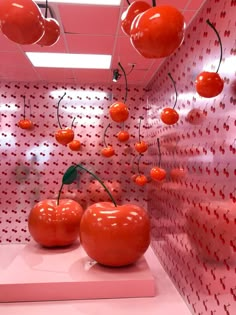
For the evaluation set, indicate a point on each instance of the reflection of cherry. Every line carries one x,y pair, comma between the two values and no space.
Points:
140,146
210,84
130,13
169,116
108,150
25,123
63,136
157,173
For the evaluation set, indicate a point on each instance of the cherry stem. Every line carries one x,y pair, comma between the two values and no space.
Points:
128,2
126,83
46,10
132,167
140,155
104,135
220,42
72,123
59,194
99,180
24,108
58,110
159,152
174,84
139,127
154,3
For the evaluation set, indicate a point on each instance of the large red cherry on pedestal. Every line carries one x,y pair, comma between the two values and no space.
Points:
115,235
53,224
52,32
211,230
21,21
130,13
157,32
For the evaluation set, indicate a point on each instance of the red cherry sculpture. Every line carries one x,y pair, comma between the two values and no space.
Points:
209,84
141,146
158,173
108,151
51,224
141,180
75,145
52,33
157,32
169,116
25,124
132,11
123,136
115,236
21,21
119,112
64,136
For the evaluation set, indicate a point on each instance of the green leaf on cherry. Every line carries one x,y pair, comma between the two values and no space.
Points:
70,175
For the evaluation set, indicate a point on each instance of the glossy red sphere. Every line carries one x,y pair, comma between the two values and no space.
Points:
123,136
64,136
157,173
25,124
119,112
75,145
21,21
157,32
108,151
115,236
53,225
209,84
169,116
141,146
51,34
130,13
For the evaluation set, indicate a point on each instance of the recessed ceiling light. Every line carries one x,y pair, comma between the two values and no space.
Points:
75,61
94,2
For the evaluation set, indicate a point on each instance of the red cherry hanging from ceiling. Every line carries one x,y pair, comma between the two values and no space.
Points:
21,21
130,13
52,33
157,32
210,84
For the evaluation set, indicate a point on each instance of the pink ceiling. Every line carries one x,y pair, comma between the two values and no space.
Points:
87,29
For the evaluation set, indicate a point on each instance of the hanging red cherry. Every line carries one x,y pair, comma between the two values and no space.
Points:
170,116
25,123
130,13
158,173
63,135
75,145
21,21
157,32
52,33
210,84
140,179
140,146
123,136
108,150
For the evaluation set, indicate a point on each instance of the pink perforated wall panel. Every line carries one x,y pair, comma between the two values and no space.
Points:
32,162
194,210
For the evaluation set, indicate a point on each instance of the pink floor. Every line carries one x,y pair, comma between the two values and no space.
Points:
32,274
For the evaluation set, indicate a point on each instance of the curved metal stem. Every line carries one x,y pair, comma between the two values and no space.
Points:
104,135
46,11
140,155
159,152
99,180
126,83
58,110
72,123
24,107
139,128
220,42
174,84
153,3
59,194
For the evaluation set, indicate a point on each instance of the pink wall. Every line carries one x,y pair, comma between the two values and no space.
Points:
197,203
194,210
32,162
